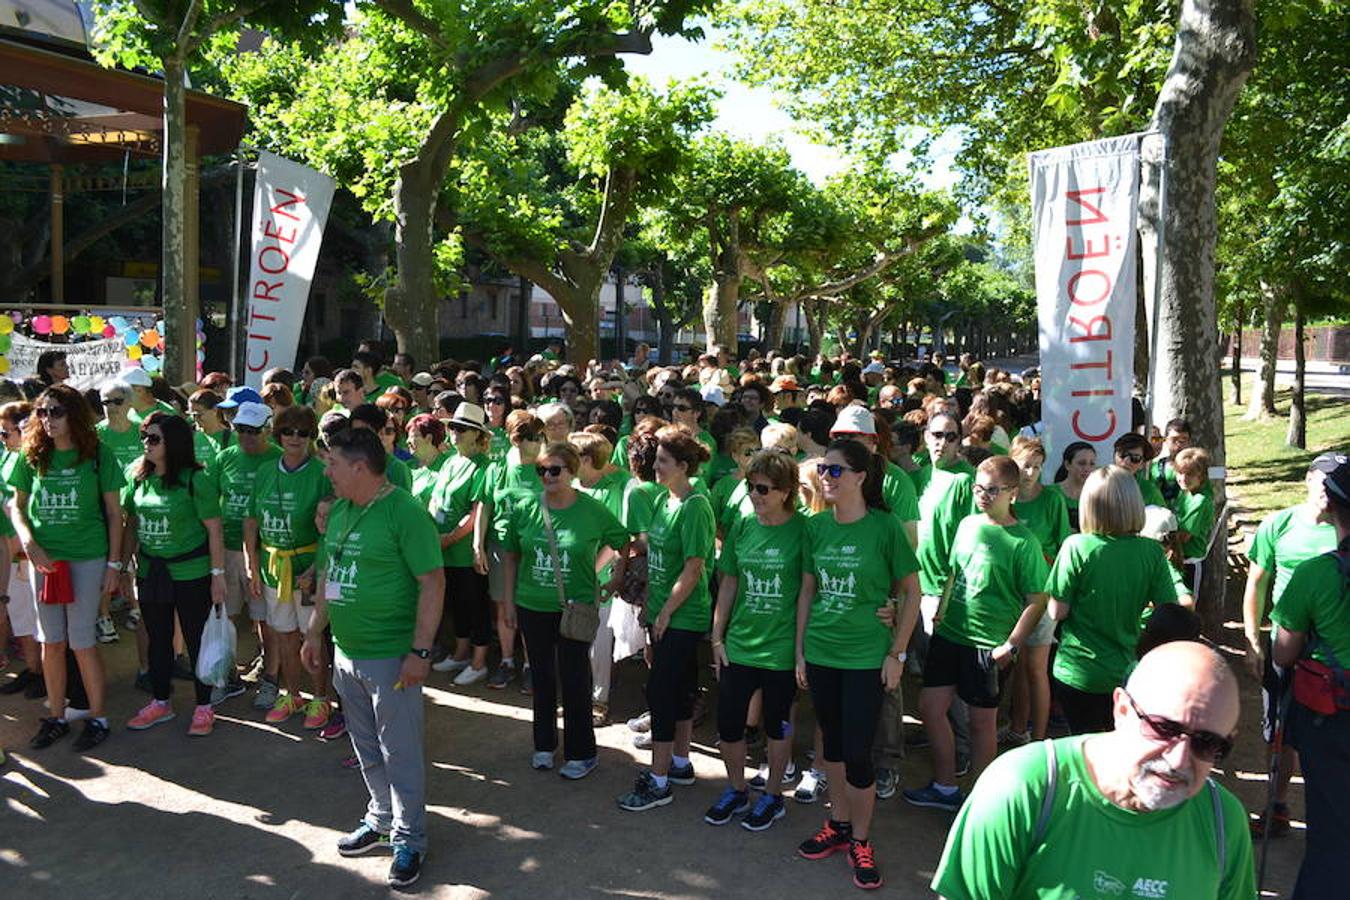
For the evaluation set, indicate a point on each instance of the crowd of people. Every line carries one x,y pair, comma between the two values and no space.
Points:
810,532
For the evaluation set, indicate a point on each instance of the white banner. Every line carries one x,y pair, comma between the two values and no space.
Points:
290,207
1084,200
92,364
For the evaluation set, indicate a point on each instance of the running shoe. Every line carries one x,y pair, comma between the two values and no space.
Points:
682,775
1009,738
542,760
768,809
143,683
863,859
645,794
406,867
203,721
133,620
50,730
811,787
362,840
253,672
470,675
830,839
760,779
962,766
641,724
599,715
317,713
643,740
504,675
266,697
887,782
95,732
731,804
285,706
930,796
106,630
577,769
450,664
21,682
527,681
336,727
234,688
152,714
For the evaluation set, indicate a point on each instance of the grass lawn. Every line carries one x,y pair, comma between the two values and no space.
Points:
1266,474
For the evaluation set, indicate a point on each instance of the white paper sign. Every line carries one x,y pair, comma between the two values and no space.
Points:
92,364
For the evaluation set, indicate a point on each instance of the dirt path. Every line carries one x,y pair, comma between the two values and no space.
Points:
253,811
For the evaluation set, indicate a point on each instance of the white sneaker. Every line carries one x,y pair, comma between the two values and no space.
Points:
449,664
107,630
641,724
811,786
470,675
761,777
75,714
643,740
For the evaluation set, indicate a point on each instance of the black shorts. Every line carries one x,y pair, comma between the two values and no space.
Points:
738,684
978,679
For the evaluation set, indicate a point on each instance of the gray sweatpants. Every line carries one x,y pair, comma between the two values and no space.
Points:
385,725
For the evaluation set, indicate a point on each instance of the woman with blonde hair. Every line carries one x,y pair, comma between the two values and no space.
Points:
1102,581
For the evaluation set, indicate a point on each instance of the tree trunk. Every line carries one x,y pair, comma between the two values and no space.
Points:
815,327
180,342
412,308
579,306
720,302
1262,403
665,328
520,325
1214,52
1297,435
773,333
1237,354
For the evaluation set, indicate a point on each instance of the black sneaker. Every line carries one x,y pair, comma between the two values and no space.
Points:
731,804
94,733
505,674
362,840
37,689
768,809
831,838
49,732
526,681
406,867
864,862
143,683
645,794
21,682
682,775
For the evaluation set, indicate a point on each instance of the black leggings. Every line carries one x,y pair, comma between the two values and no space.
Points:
673,681
848,702
1086,713
191,600
738,684
468,605
555,659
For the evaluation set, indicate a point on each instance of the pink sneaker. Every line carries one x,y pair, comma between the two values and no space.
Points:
317,712
203,721
153,713
286,706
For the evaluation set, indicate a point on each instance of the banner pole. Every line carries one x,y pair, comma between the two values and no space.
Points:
233,330
1150,395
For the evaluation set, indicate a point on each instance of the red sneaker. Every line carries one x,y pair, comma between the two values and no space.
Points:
828,840
864,862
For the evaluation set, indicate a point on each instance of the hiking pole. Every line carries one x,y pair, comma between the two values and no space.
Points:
1276,751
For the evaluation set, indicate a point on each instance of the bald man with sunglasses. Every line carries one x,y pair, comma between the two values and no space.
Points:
1127,813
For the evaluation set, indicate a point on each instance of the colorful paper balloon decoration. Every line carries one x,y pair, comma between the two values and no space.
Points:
96,324
60,324
80,324
131,337
4,365
109,331
119,323
149,338
150,363
6,341
16,317
6,324
42,324
134,352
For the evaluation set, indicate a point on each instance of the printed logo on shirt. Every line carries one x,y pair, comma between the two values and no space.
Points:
275,529
542,570
153,527
343,576
1150,888
1106,884
656,561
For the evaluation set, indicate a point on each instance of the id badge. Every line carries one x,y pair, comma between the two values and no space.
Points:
332,590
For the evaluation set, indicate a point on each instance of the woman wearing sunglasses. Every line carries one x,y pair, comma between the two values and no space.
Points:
116,431
175,536
497,403
1133,453
555,542
858,565
68,514
280,542
754,634
992,602
458,506
729,493
679,609
1101,582
687,408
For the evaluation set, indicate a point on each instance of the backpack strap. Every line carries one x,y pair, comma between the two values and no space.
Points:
1048,798
1220,835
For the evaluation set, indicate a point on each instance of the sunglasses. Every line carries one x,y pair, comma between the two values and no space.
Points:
495,401
150,439
550,471
247,429
991,491
389,429
833,470
1206,745
50,412
761,489
459,429
296,432
682,407
948,435
114,401
1135,458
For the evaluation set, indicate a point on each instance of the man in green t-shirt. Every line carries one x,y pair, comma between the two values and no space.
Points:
143,400
382,589
1130,813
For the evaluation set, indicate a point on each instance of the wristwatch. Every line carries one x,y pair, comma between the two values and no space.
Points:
900,655
420,654
217,571
1013,649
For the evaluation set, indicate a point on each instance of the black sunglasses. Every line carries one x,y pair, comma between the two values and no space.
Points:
682,407
459,429
834,470
50,412
152,439
495,401
949,435
1206,745
296,432
114,401
761,489
1135,458
550,471
247,429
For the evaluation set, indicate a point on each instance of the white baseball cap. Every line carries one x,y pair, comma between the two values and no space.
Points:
253,415
136,377
854,419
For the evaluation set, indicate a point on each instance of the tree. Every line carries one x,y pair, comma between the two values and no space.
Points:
170,36
553,205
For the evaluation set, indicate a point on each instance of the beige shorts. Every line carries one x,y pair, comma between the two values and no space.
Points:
286,617
236,589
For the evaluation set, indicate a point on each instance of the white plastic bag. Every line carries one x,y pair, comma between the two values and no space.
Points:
625,620
215,660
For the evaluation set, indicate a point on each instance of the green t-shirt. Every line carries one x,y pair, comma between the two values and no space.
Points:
1317,596
620,455
1152,496
610,490
580,531
1046,517
854,566
994,568
125,445
640,499
236,472
1070,505
680,530
65,505
766,562
1107,581
1284,540
169,520
506,483
204,449
1091,848
499,446
424,477
945,498
898,490
136,418
284,504
371,557
7,461
461,483
730,501
398,473
718,467
1195,516
385,379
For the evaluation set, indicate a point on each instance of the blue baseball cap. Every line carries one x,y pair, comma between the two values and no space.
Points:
238,395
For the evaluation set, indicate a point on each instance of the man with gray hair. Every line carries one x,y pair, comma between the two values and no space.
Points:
1129,813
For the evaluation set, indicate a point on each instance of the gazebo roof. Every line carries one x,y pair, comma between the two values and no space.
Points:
62,107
